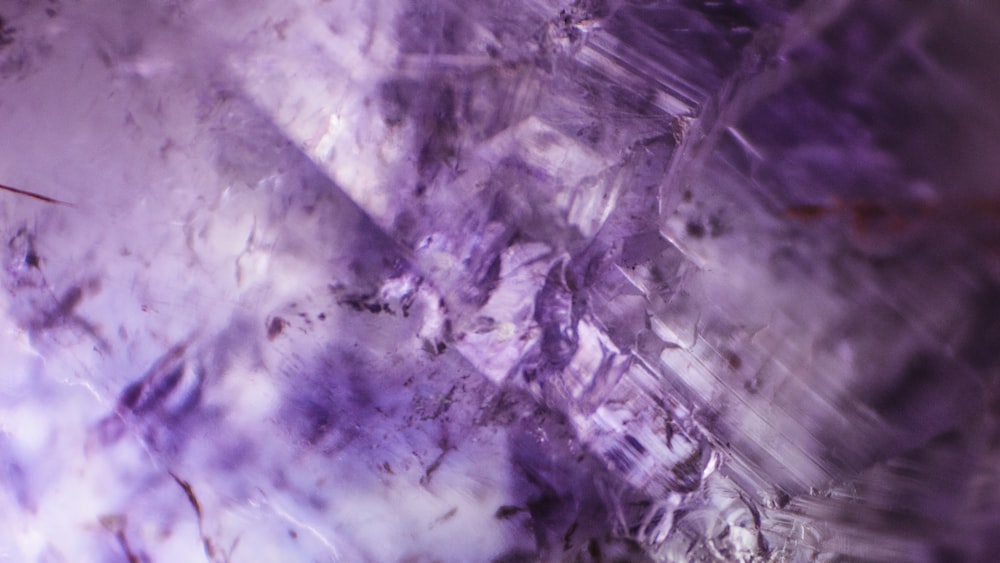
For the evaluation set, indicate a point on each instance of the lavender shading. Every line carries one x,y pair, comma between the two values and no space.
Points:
418,281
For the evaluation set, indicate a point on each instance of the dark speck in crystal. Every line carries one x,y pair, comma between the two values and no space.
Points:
594,549
275,327
544,506
697,230
732,359
568,537
635,444
6,33
507,511
782,499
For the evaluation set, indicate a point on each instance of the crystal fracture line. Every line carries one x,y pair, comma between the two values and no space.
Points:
39,197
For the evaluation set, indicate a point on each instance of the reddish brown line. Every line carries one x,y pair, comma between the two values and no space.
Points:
806,212
40,197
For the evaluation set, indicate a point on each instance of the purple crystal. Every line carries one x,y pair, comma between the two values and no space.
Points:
510,281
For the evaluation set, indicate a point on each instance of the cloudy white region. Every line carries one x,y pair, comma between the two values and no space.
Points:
191,222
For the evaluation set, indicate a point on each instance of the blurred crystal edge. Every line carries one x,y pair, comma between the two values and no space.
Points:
747,249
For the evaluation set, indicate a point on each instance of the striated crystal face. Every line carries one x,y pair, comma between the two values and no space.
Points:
405,280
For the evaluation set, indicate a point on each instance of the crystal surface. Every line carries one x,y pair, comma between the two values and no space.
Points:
401,280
